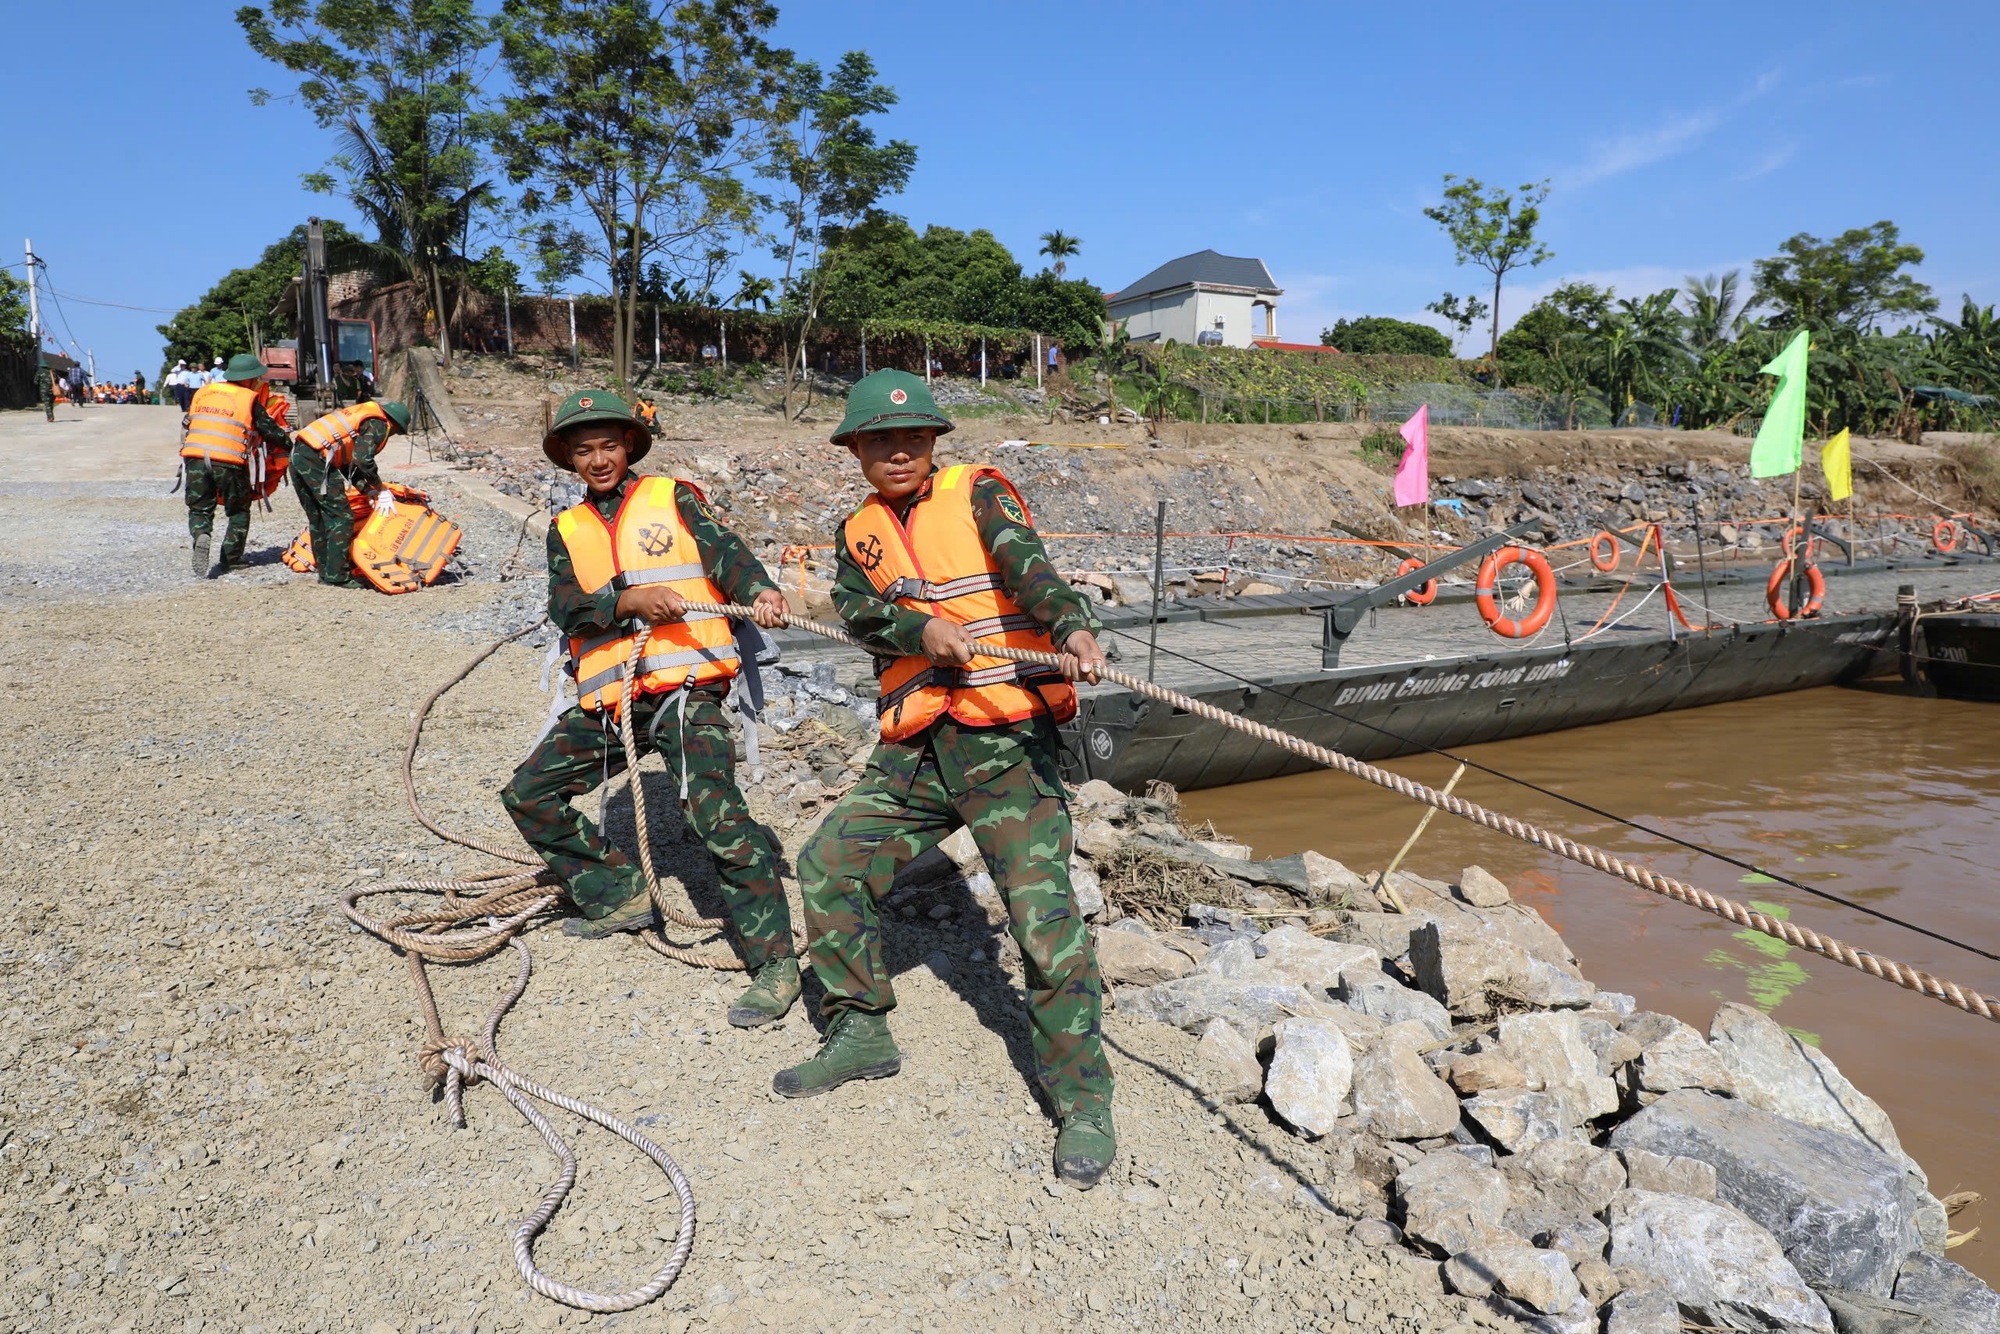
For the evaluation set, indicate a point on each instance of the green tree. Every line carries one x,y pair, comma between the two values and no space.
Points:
832,172
14,330
636,121
395,79
1493,230
1461,315
1384,335
236,314
1060,247
752,292
1714,311
1968,348
494,273
1855,279
1552,344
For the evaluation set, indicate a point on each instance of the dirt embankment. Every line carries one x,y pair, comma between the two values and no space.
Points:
1281,491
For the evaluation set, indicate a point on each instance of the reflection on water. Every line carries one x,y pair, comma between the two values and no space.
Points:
1881,798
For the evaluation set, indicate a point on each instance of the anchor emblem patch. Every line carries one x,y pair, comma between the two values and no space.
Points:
869,552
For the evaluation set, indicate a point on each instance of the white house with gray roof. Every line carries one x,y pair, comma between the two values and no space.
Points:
1200,298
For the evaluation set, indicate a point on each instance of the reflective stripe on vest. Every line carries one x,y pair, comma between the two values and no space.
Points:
333,435
933,560
645,544
220,425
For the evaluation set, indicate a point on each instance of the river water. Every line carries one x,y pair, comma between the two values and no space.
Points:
1868,793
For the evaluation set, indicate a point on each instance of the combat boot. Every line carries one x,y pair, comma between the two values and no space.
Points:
201,557
858,1046
635,914
1085,1147
776,987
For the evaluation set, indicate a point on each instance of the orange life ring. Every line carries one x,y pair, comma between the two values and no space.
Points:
1427,593
1545,592
1790,541
1602,542
1774,591
1946,534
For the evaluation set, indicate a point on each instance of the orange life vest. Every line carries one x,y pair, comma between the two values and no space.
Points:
933,561
219,424
645,544
333,435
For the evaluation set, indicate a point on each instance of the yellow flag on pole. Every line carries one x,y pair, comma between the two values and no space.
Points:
1838,465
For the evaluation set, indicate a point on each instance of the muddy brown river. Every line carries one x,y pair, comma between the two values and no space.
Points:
1881,798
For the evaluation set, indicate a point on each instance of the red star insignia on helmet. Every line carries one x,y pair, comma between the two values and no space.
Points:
898,397
585,402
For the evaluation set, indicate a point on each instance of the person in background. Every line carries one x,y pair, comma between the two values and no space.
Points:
45,388
177,385
138,386
74,385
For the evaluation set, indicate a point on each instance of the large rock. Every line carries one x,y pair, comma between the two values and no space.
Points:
1794,1079
1086,888
1466,970
1392,1002
1669,1176
1451,1204
1481,888
1551,1052
1327,881
1673,1056
1842,1209
1516,1118
1538,1279
1948,1295
1312,1071
1387,933
1485,1071
1649,1312
1398,1093
1251,1003
1571,1176
1127,959
1324,965
1719,1266
1227,1068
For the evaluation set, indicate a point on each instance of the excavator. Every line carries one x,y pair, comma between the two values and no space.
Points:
332,362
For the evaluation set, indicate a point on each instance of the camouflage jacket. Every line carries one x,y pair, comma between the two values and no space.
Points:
368,442
1030,579
725,557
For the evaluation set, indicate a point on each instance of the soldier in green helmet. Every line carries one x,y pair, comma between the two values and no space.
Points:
625,563
932,561
335,452
225,425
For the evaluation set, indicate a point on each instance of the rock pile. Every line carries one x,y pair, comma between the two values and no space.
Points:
1571,1161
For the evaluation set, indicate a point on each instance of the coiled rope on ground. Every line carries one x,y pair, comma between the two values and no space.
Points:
1903,975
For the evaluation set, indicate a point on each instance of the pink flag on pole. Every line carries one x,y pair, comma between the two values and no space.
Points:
1413,474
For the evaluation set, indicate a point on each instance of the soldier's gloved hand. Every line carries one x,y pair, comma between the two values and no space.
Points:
769,609
945,643
656,604
1082,658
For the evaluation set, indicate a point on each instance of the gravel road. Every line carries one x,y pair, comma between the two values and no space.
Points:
210,1112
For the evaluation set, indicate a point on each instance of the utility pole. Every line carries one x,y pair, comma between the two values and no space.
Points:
34,301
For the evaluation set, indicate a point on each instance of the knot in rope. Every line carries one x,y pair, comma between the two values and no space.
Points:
436,1059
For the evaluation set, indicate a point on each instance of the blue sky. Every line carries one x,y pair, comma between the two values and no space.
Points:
1684,138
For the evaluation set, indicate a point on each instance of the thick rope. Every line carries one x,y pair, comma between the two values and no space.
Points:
1903,975
480,915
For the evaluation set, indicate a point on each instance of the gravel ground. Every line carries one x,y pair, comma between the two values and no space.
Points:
212,1117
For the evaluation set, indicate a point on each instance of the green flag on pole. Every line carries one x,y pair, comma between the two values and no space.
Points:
1780,446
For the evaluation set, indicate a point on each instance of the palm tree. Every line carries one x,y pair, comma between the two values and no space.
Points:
1059,246
1714,313
754,293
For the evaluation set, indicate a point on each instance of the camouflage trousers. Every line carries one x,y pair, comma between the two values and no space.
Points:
322,494
1015,808
210,484
582,751
49,405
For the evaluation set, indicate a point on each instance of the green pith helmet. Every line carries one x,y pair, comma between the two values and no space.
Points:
397,413
243,367
888,399
584,407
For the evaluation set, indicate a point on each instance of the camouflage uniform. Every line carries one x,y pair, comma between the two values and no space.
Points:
583,750
227,484
45,389
1004,784
322,493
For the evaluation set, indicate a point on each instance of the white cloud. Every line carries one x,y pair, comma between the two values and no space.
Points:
1676,132
1773,158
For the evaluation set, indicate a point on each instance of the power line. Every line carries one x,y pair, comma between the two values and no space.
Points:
1598,811
114,305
